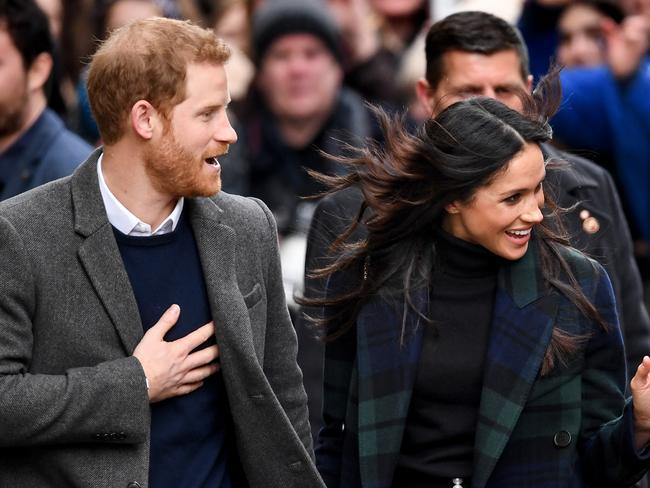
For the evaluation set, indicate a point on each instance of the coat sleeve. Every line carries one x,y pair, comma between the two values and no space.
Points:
338,385
580,123
331,218
103,403
609,458
281,346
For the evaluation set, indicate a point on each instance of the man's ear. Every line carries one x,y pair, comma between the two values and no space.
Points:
424,93
529,83
144,118
39,72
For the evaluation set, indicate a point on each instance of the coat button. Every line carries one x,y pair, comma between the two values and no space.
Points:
562,438
134,484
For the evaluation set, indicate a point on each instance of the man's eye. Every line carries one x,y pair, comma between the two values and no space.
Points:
469,92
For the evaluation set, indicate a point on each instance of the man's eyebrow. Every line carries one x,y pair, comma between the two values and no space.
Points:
467,87
510,86
215,106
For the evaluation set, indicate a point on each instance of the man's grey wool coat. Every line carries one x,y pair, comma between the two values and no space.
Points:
74,410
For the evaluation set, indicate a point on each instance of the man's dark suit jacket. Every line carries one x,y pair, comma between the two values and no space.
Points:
74,410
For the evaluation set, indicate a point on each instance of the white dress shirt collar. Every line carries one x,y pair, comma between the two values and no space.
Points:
127,223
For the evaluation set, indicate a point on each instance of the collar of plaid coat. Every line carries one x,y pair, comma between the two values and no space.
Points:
521,328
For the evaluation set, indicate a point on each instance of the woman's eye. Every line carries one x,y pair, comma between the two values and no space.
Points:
513,198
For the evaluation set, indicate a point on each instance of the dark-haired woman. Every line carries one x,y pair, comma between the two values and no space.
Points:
469,346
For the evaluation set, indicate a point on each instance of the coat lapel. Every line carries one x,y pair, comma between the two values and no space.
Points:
102,262
217,252
100,256
522,324
387,364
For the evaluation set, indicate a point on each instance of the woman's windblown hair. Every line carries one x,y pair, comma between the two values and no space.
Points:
406,184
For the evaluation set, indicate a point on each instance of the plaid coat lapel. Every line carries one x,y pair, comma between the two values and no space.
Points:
521,329
387,362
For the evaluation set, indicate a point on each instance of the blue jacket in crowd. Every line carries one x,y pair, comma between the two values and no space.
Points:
45,152
609,116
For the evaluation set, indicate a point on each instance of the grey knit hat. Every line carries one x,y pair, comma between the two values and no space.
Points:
276,18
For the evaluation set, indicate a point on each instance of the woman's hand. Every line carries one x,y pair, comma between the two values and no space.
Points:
640,386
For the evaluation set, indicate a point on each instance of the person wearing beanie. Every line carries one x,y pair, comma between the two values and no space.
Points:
297,107
277,18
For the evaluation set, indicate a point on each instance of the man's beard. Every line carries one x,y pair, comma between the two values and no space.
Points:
175,171
12,114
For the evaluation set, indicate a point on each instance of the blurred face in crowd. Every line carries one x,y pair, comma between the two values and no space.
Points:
501,215
299,77
124,11
553,3
396,8
182,161
54,11
467,74
581,37
14,92
232,26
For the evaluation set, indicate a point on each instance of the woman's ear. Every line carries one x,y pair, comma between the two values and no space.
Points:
453,207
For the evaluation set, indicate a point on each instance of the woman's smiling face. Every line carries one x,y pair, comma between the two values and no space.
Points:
501,215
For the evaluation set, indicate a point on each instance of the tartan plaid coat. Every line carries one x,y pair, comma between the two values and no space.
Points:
570,428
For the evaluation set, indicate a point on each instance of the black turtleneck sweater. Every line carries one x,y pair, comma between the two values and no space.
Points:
438,439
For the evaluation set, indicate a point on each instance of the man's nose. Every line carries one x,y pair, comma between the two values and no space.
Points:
225,132
489,92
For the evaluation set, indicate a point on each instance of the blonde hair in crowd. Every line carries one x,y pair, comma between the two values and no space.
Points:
146,60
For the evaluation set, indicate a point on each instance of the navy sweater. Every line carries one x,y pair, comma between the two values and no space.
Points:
190,440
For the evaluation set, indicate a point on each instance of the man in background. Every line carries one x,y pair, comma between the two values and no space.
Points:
298,107
35,146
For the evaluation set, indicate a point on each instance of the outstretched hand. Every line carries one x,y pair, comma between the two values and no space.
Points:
627,44
640,387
